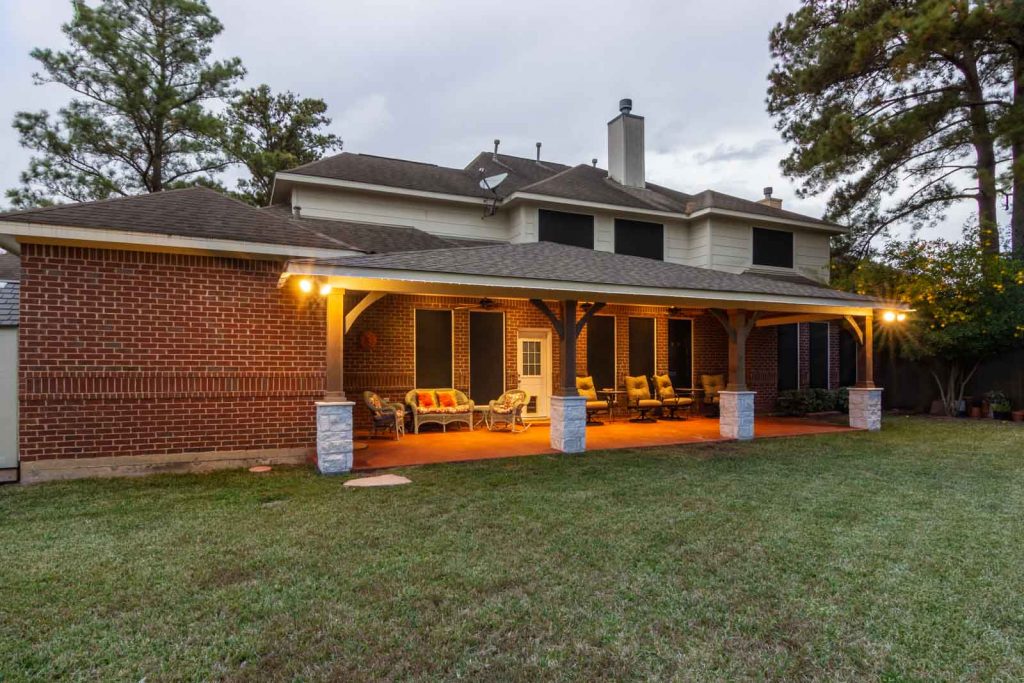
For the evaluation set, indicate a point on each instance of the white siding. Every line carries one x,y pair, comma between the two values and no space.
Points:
523,224
731,248
604,232
440,218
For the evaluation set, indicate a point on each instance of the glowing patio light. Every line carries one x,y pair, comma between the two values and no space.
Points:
900,317
889,316
325,289
306,285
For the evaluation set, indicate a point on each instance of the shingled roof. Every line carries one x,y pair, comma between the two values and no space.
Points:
10,267
583,182
192,212
550,261
368,237
9,303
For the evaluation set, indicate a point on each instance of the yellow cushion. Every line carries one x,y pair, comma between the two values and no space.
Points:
649,403
677,401
597,405
664,384
585,388
712,384
637,389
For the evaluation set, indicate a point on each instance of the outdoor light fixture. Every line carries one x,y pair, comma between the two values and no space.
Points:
900,317
306,285
325,289
888,316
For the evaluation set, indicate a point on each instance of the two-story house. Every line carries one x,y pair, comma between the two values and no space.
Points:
381,274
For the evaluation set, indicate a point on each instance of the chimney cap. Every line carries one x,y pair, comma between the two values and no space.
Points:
768,192
625,105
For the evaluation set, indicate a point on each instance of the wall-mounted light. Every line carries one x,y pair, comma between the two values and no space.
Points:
306,285
893,317
900,317
325,289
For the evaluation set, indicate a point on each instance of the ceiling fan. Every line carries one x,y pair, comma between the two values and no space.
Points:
485,304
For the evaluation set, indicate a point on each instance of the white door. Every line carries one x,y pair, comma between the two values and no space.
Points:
534,361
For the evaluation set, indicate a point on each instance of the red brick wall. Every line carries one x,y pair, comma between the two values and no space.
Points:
127,353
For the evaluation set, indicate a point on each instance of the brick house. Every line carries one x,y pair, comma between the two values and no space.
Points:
187,329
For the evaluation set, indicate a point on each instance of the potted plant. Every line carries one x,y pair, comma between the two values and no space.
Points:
998,404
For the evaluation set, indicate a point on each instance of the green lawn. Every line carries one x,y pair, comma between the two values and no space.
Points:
897,555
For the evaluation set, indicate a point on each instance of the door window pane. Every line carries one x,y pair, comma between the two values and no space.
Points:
531,358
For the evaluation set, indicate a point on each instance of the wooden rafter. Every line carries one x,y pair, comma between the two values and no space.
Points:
370,299
585,318
541,306
855,328
795,318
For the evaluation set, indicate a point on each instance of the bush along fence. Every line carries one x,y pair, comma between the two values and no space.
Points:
808,401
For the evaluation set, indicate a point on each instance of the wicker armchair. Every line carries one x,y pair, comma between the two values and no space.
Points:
585,387
384,416
669,399
638,395
507,410
461,411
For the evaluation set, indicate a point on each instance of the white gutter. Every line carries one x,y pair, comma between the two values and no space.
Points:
40,232
379,189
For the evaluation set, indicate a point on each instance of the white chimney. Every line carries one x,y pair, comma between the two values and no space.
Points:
626,147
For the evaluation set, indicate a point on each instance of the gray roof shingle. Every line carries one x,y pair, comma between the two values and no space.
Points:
192,212
550,261
369,237
9,303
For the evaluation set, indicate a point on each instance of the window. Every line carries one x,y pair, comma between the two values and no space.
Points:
847,358
819,355
531,359
601,351
486,355
680,352
574,229
639,238
788,356
641,347
433,349
773,248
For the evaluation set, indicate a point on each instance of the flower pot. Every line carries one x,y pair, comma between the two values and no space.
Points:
1017,415
976,412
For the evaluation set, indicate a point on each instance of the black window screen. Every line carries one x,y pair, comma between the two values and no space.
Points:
641,347
773,248
680,353
575,229
847,358
639,238
486,356
601,351
819,356
788,356
433,349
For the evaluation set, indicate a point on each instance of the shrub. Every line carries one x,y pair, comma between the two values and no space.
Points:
803,401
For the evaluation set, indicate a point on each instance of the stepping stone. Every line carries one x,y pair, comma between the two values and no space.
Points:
380,480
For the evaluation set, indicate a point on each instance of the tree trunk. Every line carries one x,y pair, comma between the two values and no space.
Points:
983,140
1017,151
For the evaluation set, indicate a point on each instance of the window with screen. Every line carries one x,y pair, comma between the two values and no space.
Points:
773,248
639,238
641,347
574,229
433,348
601,351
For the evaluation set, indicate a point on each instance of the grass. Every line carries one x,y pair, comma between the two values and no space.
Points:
893,556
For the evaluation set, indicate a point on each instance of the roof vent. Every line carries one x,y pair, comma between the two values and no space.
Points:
625,105
496,143
297,211
538,152
593,162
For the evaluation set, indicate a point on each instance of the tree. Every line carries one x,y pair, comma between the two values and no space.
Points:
268,133
142,74
968,305
891,104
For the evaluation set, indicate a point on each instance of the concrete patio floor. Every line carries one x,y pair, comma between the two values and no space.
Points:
460,444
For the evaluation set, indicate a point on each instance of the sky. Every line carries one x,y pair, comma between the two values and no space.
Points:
438,81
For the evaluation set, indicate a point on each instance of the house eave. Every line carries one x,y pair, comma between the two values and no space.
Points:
367,187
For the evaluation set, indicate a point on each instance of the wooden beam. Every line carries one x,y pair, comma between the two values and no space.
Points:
568,350
370,299
738,324
582,322
795,318
334,381
851,322
866,356
541,306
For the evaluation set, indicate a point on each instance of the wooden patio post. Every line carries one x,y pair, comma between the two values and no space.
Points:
866,356
567,385
334,389
738,332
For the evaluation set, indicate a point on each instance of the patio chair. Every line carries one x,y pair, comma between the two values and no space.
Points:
712,384
669,399
384,416
507,410
638,397
585,387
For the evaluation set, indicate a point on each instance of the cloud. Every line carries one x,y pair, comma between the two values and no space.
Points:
362,121
724,153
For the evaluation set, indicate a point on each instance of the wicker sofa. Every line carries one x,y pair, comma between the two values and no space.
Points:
462,411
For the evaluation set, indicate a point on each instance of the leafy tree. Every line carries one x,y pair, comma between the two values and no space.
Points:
968,305
891,104
268,133
142,74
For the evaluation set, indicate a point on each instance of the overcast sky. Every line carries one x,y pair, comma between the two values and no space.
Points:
438,81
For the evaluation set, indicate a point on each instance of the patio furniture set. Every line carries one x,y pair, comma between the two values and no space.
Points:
446,406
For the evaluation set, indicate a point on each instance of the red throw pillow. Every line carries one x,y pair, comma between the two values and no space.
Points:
425,399
447,399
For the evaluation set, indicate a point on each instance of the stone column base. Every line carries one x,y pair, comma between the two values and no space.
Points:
334,436
736,414
866,408
569,424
